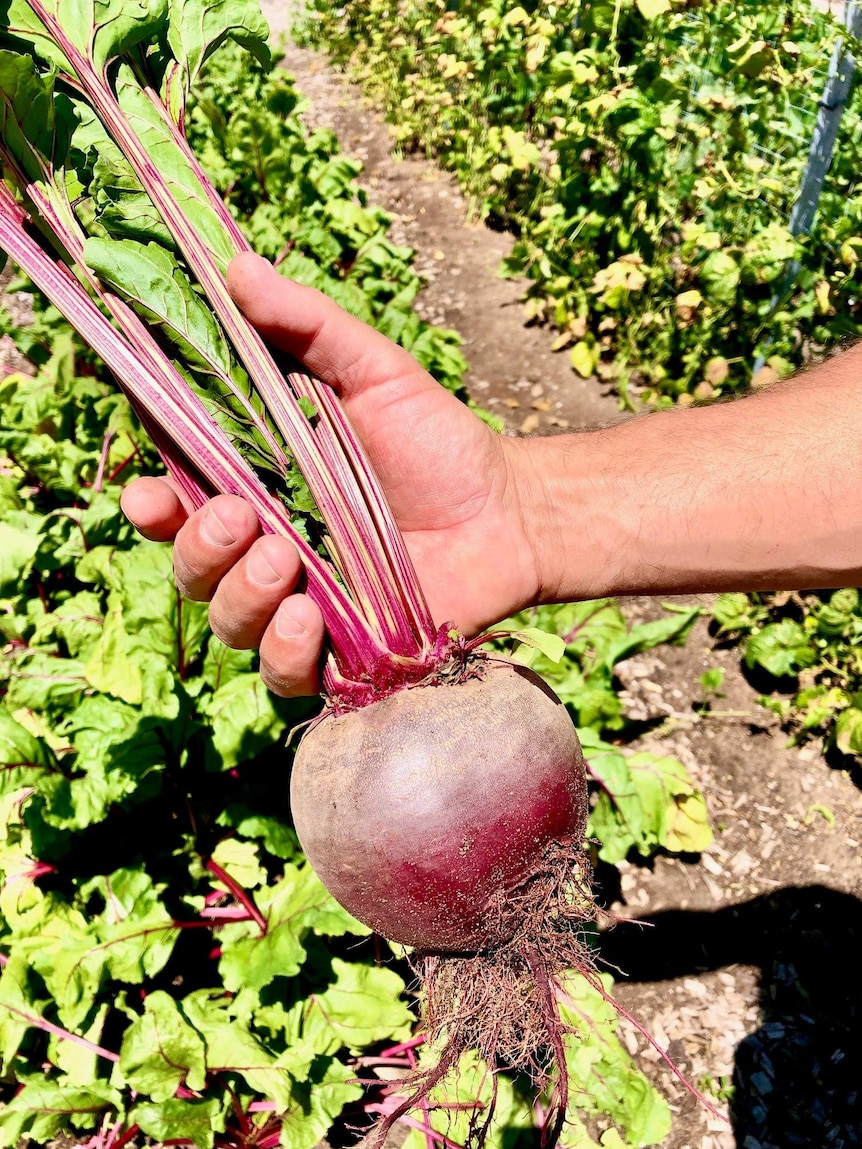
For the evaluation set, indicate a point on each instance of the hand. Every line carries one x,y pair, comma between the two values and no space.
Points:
454,485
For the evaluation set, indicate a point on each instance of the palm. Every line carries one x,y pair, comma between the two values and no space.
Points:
449,480
446,477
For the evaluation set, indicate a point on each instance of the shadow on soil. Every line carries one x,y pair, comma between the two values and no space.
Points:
797,1079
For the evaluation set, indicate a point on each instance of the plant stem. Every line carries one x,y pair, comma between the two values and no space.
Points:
57,1031
241,895
151,380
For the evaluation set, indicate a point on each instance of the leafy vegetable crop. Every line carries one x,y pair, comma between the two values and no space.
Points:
809,647
161,937
647,156
138,754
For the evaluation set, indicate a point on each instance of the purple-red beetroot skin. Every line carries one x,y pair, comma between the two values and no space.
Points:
417,810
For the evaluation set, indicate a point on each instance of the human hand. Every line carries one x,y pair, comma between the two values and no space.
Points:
455,488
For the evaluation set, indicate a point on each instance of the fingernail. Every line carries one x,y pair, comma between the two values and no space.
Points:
260,571
214,530
286,626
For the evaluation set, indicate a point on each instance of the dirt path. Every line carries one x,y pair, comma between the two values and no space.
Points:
512,370
749,967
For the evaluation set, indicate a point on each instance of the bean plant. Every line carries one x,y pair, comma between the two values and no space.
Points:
646,154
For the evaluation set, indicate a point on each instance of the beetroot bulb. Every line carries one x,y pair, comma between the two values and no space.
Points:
450,817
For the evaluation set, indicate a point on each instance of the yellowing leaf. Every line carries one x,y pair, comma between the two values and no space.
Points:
514,17
583,357
716,371
551,645
688,304
649,9
687,824
537,48
522,153
614,282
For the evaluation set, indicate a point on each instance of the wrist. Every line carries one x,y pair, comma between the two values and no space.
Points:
572,496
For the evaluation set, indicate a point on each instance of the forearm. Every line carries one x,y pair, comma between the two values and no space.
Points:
761,493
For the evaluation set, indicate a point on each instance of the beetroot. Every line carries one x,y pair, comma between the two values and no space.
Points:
450,817
415,811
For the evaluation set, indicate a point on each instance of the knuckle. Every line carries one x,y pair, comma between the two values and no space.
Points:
191,582
280,684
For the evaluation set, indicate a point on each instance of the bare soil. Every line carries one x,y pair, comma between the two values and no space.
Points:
743,962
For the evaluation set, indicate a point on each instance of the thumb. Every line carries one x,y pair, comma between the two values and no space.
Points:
332,344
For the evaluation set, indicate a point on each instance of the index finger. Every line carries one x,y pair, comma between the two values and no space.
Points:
154,507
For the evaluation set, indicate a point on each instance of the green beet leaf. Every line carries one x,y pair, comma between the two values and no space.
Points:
29,123
161,1051
174,167
278,839
22,756
39,681
135,931
232,1047
600,1070
318,1101
196,30
240,861
151,277
100,29
19,542
644,802
80,1065
782,648
77,622
18,1006
44,1108
363,1005
193,1121
293,907
244,720
148,623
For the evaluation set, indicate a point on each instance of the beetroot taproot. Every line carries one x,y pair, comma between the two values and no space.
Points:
450,817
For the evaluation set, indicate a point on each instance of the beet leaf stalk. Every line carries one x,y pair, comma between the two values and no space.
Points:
108,82
442,795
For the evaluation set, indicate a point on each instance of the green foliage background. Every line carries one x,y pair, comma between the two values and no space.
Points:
646,155
170,967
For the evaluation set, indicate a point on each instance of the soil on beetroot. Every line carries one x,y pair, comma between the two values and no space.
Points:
744,966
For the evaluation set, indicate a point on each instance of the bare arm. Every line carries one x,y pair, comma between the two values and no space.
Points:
763,493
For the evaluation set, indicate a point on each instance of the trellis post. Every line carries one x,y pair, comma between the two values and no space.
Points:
830,112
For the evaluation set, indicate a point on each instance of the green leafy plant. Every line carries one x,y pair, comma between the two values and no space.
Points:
647,156
151,886
810,645
643,801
